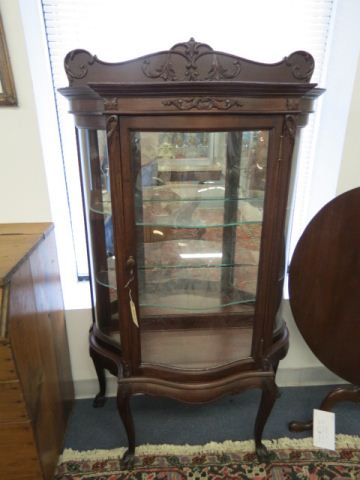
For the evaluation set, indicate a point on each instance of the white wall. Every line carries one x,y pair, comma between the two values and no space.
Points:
300,365
24,195
23,188
349,176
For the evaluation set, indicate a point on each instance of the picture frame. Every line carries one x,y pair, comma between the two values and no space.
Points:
7,85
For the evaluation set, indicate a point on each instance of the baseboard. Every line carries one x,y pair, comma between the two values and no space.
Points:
287,377
309,376
89,388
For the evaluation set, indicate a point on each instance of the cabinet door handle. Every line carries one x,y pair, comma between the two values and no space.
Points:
130,263
130,266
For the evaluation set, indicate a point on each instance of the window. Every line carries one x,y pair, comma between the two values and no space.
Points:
116,31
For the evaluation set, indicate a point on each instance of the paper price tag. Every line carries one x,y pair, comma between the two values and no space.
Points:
324,429
133,313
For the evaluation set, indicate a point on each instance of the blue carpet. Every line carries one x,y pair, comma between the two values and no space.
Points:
161,420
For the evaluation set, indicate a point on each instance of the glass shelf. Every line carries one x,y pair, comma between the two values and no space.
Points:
191,294
166,245
198,213
170,267
201,304
169,278
104,207
181,191
197,289
189,285
107,277
196,226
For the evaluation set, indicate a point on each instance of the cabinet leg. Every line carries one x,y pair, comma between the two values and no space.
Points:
340,394
269,395
100,398
123,405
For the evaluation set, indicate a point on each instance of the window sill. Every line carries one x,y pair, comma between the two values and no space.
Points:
76,295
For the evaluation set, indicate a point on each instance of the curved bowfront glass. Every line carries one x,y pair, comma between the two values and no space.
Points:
93,152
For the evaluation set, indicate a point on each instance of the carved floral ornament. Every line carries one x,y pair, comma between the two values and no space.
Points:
202,103
290,125
190,61
191,52
111,125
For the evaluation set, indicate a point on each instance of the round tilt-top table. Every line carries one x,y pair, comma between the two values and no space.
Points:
324,288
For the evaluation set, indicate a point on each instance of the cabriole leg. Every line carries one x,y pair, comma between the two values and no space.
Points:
123,405
269,395
100,398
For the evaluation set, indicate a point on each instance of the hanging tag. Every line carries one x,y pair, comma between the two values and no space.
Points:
133,311
324,429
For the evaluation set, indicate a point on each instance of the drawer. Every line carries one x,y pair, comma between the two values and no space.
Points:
12,407
18,455
7,367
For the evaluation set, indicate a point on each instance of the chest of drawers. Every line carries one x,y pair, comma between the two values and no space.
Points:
36,390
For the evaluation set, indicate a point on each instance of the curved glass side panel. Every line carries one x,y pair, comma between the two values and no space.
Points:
199,199
98,214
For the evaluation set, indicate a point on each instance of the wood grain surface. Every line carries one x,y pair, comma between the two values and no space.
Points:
324,285
36,390
16,242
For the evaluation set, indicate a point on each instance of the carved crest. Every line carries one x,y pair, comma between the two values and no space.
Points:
187,62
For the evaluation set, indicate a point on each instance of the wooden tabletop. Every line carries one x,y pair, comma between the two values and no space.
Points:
324,285
17,240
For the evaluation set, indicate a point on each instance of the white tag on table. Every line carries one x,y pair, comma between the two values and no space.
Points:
324,429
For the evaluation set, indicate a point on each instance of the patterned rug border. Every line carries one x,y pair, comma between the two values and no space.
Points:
342,441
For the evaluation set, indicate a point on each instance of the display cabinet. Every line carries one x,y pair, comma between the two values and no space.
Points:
185,159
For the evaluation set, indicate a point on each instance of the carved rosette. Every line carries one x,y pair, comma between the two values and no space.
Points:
202,103
111,103
302,65
75,70
292,104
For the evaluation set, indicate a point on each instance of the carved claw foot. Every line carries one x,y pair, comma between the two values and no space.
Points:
262,453
99,400
128,460
340,394
300,426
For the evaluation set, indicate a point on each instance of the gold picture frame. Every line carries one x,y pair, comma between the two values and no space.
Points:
7,85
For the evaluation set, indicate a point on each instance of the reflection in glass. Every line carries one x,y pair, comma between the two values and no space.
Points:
96,178
199,207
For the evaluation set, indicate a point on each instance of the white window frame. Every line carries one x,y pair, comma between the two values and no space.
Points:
332,121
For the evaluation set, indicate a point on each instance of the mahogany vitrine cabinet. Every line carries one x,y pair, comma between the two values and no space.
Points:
185,159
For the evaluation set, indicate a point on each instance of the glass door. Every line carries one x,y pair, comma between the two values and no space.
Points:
199,198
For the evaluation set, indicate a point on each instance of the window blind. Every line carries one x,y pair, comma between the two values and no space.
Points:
115,30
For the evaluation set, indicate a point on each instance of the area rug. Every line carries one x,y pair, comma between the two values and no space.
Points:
289,460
